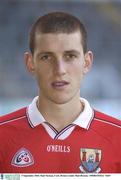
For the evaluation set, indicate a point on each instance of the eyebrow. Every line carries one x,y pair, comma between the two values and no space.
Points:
72,51
45,52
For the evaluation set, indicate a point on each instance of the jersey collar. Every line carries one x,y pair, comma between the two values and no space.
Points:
83,120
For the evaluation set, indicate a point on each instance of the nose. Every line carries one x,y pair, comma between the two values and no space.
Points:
60,68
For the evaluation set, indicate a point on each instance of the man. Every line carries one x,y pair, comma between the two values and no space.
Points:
59,132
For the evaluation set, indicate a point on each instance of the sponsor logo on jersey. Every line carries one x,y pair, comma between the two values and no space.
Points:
22,158
90,160
58,148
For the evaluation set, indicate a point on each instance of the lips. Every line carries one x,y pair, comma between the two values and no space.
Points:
60,84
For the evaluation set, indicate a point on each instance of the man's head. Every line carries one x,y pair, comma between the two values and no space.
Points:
59,58
55,23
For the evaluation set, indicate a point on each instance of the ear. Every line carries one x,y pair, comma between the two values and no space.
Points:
28,58
88,61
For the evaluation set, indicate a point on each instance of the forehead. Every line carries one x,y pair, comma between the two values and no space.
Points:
63,41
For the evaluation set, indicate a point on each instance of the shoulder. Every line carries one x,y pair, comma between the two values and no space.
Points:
14,116
107,120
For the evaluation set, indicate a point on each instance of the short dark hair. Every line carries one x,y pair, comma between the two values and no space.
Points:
57,22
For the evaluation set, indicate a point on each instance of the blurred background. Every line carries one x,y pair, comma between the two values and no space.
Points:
102,18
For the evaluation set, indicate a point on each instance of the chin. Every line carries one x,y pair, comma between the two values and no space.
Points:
62,100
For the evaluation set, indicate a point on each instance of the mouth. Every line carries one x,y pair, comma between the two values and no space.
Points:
59,84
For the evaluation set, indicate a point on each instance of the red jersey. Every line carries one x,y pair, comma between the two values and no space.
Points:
28,144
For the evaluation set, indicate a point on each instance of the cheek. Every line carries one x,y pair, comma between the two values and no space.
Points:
78,76
43,77
78,70
81,69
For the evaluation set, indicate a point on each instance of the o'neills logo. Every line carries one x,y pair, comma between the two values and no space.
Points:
58,148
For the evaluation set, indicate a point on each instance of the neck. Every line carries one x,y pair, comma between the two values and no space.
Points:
60,115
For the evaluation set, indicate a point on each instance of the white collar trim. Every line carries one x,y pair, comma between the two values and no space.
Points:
83,120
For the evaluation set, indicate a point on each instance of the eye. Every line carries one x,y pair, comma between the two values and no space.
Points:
70,56
45,57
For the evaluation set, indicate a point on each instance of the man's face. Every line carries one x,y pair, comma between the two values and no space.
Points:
59,64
